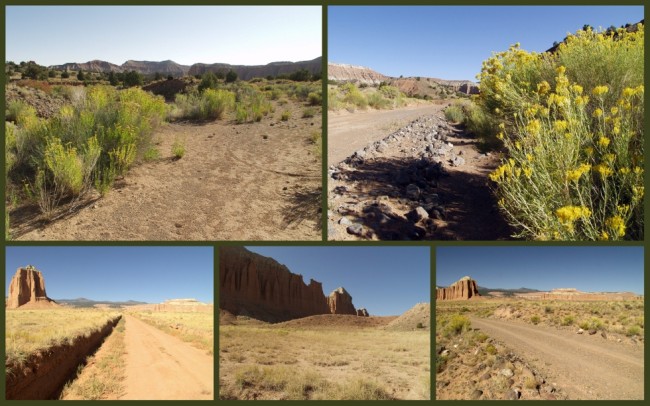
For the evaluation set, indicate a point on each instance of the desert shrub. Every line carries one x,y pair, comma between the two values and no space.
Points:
377,101
214,103
308,112
574,141
568,320
455,114
132,79
457,324
633,331
231,76
535,319
353,96
548,309
241,113
285,115
419,325
178,149
334,100
490,349
315,98
151,154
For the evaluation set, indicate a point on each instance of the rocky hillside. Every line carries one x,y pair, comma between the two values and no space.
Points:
259,287
168,67
341,72
246,72
411,86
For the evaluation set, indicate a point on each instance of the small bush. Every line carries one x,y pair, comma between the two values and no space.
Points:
633,331
457,324
151,154
568,320
490,349
178,149
241,113
308,113
548,309
315,99
419,325
455,114
285,115
535,319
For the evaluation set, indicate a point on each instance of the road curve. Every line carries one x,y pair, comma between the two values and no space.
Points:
586,367
160,366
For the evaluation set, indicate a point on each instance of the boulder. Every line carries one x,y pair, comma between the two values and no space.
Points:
27,287
463,289
340,302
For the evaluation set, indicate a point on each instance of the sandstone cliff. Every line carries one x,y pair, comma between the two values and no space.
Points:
260,287
246,72
27,288
340,302
463,289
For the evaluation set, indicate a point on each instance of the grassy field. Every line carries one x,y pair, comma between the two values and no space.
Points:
619,317
261,362
28,331
103,375
195,328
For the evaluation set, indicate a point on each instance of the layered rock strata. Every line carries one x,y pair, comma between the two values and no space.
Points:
27,287
463,289
260,287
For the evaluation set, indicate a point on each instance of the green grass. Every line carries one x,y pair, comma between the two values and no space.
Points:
285,115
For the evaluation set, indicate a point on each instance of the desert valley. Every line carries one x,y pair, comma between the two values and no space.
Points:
528,344
86,350
280,338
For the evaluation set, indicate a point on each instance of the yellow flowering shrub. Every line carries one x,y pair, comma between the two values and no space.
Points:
572,126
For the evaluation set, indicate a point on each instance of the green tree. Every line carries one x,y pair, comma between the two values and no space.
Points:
112,79
157,76
132,78
302,75
231,76
65,74
32,71
208,81
51,73
80,75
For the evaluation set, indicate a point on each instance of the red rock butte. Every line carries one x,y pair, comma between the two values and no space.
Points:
27,290
463,289
260,287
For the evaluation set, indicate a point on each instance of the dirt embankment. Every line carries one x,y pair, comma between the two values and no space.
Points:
586,367
44,373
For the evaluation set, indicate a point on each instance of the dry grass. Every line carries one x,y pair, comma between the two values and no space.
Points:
618,317
103,375
196,328
28,331
266,362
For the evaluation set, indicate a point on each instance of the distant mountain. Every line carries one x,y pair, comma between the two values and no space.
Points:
83,302
168,67
246,72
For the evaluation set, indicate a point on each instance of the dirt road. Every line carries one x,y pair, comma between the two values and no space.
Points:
254,181
586,367
348,132
160,366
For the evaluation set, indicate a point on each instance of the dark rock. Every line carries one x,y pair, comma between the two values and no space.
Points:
355,229
476,394
592,331
417,214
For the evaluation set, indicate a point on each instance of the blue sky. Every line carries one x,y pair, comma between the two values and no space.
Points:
450,42
148,274
249,35
384,280
590,269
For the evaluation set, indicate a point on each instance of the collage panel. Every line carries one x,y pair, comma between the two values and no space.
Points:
283,338
112,323
540,323
213,133
525,124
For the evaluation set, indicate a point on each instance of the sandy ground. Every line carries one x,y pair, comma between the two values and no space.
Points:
254,181
348,132
160,366
586,367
